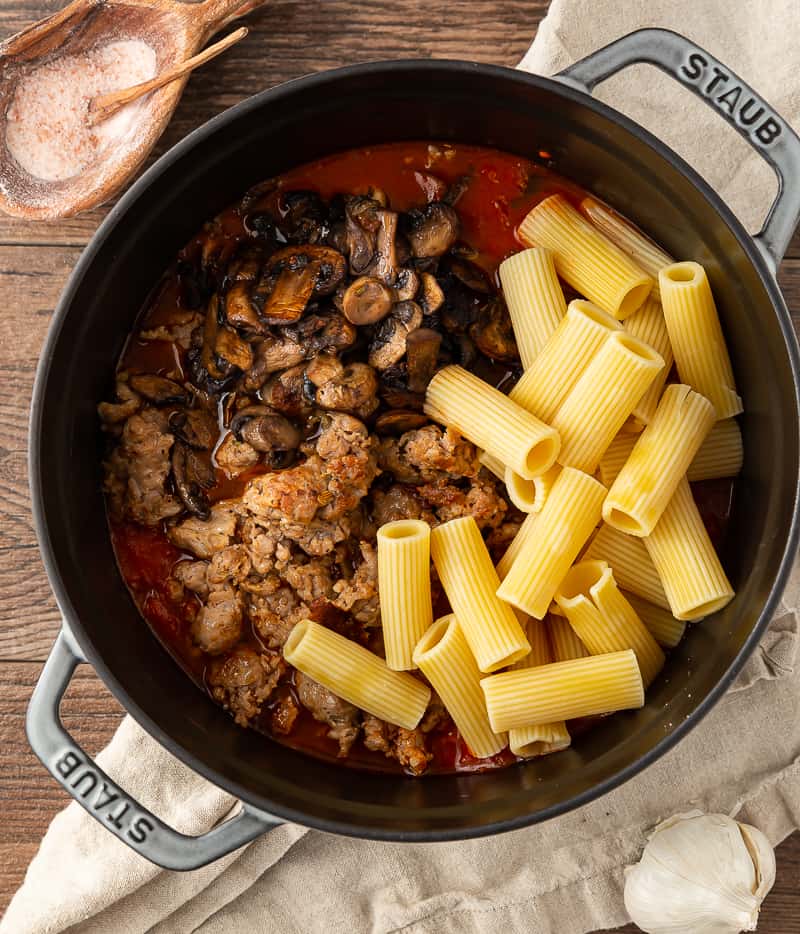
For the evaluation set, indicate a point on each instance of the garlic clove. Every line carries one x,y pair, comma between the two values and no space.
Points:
763,857
700,874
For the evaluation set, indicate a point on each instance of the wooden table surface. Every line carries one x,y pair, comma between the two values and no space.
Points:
287,39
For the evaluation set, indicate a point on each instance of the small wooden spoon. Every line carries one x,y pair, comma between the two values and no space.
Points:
174,30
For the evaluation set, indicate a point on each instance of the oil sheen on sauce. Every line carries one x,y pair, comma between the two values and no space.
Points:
500,189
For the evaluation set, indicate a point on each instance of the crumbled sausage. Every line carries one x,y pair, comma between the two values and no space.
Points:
480,500
204,537
242,680
138,468
218,625
341,716
408,747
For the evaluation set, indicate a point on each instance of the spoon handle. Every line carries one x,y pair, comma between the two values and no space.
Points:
105,106
40,30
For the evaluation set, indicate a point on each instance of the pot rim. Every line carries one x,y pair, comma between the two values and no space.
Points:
183,148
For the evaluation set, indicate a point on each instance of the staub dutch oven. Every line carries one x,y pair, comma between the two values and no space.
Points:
303,120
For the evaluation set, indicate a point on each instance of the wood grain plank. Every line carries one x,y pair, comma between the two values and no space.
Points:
30,282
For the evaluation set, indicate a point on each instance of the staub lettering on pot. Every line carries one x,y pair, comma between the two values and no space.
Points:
86,784
729,96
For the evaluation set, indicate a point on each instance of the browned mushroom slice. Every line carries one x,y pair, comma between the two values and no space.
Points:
406,285
246,266
289,296
279,353
397,398
472,276
389,343
157,389
302,271
304,217
433,230
335,333
432,296
193,475
195,427
240,310
265,429
361,227
228,405
286,392
323,368
385,264
367,300
494,334
233,349
399,421
215,247
422,352
256,376
353,390
210,329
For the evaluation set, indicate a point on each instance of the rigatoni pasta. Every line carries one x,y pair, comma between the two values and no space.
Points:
648,325
404,585
559,365
356,674
530,495
570,514
659,461
696,336
586,259
517,542
614,457
629,560
622,233
603,619
582,687
542,738
444,657
524,494
601,400
564,640
720,455
470,582
493,464
492,421
682,553
663,626
534,298
527,495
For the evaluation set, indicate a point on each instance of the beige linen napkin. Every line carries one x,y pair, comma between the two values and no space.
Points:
563,877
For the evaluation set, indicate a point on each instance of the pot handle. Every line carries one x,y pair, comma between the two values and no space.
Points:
101,797
734,100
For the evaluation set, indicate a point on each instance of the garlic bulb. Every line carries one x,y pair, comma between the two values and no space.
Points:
700,874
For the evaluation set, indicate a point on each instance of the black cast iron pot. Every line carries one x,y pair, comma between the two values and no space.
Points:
264,136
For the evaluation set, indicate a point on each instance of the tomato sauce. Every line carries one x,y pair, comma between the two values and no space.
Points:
498,190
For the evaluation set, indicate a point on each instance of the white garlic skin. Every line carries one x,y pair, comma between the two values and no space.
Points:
700,874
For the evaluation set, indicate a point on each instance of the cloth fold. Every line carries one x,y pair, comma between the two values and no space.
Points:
562,877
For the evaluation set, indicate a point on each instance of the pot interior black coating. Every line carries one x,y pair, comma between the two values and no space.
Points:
291,125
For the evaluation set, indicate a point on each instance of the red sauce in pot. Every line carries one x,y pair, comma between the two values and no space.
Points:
498,191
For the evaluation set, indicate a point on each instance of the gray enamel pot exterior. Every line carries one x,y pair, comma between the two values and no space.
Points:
264,136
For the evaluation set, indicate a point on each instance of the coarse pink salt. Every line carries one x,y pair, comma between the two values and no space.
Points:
48,131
